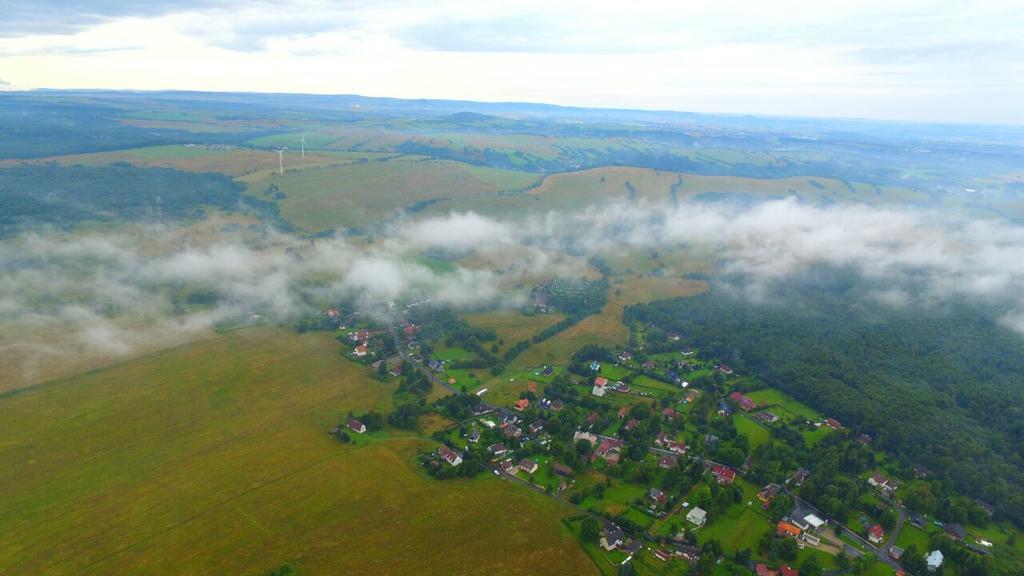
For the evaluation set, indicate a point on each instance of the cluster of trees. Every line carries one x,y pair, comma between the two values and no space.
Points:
925,383
66,195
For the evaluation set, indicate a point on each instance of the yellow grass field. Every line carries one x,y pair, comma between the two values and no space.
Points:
212,458
606,328
511,325
361,194
231,161
570,191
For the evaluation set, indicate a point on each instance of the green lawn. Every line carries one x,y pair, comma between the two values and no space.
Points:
756,433
737,532
774,397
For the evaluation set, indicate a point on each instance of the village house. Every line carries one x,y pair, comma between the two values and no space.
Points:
625,356
811,523
473,436
933,560
356,426
669,413
677,447
687,552
876,534
621,387
764,570
786,529
507,467
531,387
799,476
766,417
557,405
561,469
955,531
595,366
599,387
536,426
833,424
667,462
584,436
360,351
864,439
609,450
878,480
631,425
450,456
648,365
787,570
611,536
768,493
896,553
528,466
697,516
657,496
497,449
723,474
632,546
745,403
521,404
725,369
662,555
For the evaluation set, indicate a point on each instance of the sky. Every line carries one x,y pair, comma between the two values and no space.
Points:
937,60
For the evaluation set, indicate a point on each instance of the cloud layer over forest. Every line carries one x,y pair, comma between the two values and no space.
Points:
115,294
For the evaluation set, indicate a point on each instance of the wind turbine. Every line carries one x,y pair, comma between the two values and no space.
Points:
302,141
280,158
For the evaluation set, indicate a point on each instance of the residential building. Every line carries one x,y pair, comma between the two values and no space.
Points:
697,516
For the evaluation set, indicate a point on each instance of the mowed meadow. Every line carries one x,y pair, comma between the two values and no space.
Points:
213,458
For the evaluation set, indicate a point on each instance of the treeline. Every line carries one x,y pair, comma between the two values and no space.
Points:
35,126
66,195
940,389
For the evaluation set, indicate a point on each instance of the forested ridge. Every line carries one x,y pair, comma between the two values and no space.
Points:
943,388
63,196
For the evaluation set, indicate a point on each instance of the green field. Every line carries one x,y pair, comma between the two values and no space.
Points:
795,408
737,532
213,458
756,433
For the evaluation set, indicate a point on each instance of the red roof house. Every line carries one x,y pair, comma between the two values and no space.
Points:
723,475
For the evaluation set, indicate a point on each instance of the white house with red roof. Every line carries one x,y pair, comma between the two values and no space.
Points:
450,456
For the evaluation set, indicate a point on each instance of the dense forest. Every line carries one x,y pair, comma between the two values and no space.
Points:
63,196
942,388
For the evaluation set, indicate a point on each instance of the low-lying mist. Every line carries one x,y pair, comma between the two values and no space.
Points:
115,292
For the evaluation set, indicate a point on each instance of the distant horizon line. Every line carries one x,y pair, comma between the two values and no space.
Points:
550,105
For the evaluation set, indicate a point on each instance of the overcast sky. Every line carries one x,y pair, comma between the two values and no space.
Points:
930,60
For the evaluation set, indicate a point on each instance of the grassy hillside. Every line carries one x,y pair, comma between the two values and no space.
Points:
362,194
213,458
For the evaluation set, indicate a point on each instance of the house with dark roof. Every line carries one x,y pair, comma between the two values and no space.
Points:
611,536
955,531
561,469
527,465
687,552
